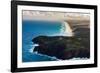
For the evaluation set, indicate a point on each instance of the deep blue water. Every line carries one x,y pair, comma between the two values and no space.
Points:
32,29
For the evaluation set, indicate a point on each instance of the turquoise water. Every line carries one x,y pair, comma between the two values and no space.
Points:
32,29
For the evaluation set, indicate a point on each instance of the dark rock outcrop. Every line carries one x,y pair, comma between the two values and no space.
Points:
64,47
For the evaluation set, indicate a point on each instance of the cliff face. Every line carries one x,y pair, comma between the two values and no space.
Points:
64,48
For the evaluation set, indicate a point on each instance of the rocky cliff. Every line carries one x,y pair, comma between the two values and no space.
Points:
63,47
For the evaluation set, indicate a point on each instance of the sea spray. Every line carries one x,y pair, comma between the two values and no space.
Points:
31,50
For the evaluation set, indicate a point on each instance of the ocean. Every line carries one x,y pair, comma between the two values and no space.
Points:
34,28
